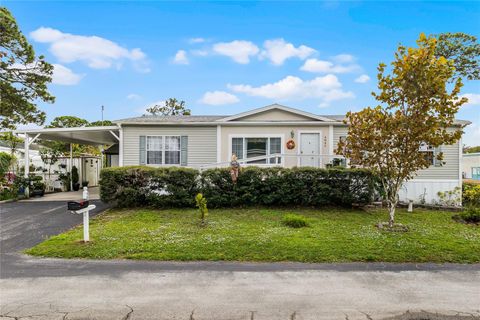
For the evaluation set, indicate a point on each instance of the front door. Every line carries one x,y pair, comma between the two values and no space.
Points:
309,149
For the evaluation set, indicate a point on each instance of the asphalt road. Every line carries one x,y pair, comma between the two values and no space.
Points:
84,289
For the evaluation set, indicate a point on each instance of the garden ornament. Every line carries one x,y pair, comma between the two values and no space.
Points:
234,168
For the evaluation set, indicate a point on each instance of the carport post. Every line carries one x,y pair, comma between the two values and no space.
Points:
27,163
71,165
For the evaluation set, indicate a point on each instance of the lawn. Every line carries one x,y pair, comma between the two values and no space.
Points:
333,235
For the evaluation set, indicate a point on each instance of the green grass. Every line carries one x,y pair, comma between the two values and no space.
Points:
333,235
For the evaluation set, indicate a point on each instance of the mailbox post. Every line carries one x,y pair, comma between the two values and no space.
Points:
82,207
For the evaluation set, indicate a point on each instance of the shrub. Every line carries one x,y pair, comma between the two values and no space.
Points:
294,221
177,187
470,215
201,204
471,194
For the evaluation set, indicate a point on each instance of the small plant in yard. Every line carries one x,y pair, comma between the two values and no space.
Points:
294,221
469,215
201,204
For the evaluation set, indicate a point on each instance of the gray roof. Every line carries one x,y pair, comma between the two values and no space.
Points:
151,119
179,119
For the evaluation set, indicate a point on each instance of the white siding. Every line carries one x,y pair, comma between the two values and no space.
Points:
449,171
202,142
338,131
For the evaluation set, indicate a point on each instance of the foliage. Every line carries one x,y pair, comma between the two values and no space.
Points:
469,215
176,187
5,162
471,149
463,50
11,140
100,123
294,221
471,194
451,198
67,122
171,107
23,77
256,234
416,108
49,157
201,204
74,175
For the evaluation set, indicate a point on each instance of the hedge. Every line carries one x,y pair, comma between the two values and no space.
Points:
176,187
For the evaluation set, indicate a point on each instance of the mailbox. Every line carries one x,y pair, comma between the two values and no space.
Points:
77,205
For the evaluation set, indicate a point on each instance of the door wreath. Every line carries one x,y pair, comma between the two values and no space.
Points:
290,144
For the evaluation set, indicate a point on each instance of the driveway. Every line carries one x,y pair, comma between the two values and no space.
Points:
85,289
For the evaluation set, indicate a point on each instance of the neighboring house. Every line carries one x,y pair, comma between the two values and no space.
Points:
471,166
274,135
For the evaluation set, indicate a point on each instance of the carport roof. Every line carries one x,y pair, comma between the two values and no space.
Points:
82,135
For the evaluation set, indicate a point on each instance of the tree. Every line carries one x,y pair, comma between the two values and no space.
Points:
11,140
471,149
67,122
172,107
49,157
100,123
463,50
416,109
23,77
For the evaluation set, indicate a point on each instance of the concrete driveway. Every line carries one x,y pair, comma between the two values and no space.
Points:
84,289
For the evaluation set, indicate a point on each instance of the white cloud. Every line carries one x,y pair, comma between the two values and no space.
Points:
344,58
96,52
196,40
362,79
473,99
201,53
181,57
133,96
216,98
327,88
277,51
324,66
239,51
64,76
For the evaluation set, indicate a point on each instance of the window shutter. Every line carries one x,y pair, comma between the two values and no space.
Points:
184,150
142,151
436,162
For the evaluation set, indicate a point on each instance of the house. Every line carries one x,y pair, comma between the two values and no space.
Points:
471,166
274,135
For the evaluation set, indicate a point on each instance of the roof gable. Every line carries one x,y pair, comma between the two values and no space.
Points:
275,112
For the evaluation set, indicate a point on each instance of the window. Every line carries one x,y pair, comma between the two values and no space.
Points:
430,154
163,150
172,150
251,147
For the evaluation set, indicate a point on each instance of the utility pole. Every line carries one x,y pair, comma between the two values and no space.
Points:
103,108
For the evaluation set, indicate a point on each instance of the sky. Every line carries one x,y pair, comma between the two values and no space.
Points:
227,57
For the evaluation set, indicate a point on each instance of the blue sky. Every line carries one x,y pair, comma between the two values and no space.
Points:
228,57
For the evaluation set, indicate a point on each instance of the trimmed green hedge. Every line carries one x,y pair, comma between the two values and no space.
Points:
177,187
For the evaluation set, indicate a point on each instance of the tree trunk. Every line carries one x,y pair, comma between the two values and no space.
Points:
391,210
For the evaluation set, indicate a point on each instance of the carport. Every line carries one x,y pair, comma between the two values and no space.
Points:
94,136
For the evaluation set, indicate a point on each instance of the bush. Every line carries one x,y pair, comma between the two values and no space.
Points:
471,194
177,187
470,215
294,221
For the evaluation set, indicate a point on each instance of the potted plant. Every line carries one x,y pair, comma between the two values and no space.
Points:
84,184
37,186
76,185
